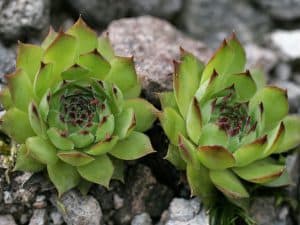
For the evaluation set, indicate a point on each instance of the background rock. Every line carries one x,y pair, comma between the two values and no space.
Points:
142,219
7,61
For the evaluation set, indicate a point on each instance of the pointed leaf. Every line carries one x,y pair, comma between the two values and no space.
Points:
44,80
63,176
103,146
75,158
105,48
259,78
119,169
84,186
24,162
174,157
29,59
211,134
283,180
44,105
59,140
124,123
194,121
41,150
228,183
75,73
122,73
249,153
99,171
186,80
144,113
261,171
133,92
20,88
5,98
36,122
215,157
82,138
49,39
16,124
86,37
173,124
135,146
167,99
95,63
275,137
105,128
188,151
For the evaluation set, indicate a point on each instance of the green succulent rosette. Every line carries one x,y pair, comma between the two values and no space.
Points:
73,108
226,127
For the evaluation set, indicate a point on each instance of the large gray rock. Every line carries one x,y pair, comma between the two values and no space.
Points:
22,17
212,21
281,9
154,43
77,209
7,220
142,219
182,212
7,61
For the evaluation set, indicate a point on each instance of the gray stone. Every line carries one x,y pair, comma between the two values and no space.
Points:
56,218
287,43
142,219
264,212
78,209
212,21
154,44
183,212
259,57
7,61
160,8
281,9
7,220
22,17
283,71
39,217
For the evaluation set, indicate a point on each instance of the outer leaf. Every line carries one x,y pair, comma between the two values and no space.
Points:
75,158
25,162
59,140
49,39
228,183
249,153
194,121
167,99
5,98
187,150
105,48
75,73
144,113
99,171
63,176
105,128
215,157
283,180
173,124
103,147
16,124
82,139
186,80
125,123
44,80
20,88
260,171
41,150
259,78
133,92
29,58
135,146
174,157
123,73
36,122
119,169
86,37
212,135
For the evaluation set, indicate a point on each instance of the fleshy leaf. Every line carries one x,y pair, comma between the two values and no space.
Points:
123,73
174,157
75,158
63,176
95,63
103,146
16,124
82,138
25,162
5,98
99,171
29,58
135,146
275,137
84,186
119,169
20,88
261,171
186,80
49,39
75,73
228,183
259,78
105,128
44,105
167,99
187,150
44,79
283,180
59,140
36,122
41,150
105,48
173,124
194,121
215,157
144,113
211,134
124,123
249,153
86,37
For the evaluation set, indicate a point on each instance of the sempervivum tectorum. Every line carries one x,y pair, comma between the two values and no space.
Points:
225,125
73,108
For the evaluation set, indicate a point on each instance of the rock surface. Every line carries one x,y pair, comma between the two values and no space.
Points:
7,220
20,17
39,217
154,44
7,61
212,21
142,219
77,209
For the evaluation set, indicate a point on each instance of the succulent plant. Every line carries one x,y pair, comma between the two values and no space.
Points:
226,127
73,108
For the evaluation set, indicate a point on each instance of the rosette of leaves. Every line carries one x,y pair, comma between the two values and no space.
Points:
73,108
227,128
